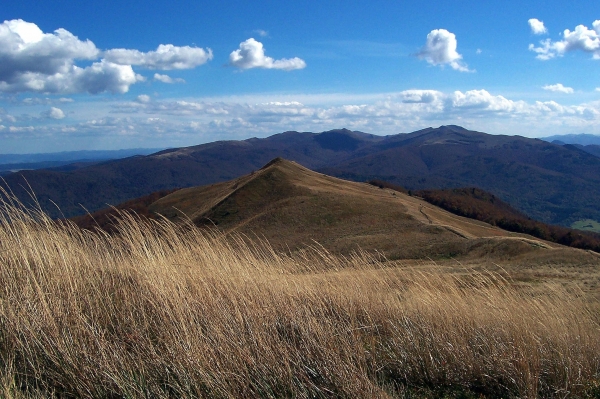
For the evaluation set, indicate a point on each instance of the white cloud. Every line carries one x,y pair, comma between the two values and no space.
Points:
478,51
104,76
166,57
558,88
143,98
413,108
597,88
582,38
261,32
21,129
27,55
45,100
193,121
537,26
54,113
9,118
33,61
476,102
167,79
97,78
251,54
24,49
419,96
440,49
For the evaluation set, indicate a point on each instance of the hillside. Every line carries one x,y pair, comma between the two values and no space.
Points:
293,207
477,204
552,183
593,149
104,219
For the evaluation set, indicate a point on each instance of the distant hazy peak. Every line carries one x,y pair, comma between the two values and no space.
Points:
582,138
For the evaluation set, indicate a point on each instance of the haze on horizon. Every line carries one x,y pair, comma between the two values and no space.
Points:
110,75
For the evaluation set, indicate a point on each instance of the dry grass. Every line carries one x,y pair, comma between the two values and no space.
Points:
164,311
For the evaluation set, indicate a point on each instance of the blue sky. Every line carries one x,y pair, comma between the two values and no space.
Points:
107,75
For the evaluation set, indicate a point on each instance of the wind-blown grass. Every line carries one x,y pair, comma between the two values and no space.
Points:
160,310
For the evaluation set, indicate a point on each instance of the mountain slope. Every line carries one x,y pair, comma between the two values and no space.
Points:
292,207
478,204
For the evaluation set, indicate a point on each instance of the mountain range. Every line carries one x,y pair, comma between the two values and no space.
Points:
557,184
583,139
589,143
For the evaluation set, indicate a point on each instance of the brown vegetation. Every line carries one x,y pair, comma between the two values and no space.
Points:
105,219
292,206
384,184
478,204
160,310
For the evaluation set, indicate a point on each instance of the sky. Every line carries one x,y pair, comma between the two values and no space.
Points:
80,75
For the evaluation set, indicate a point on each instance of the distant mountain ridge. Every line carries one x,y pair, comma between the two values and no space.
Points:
65,156
589,143
16,162
551,183
581,139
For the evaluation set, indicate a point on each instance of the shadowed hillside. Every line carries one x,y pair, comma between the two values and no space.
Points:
104,219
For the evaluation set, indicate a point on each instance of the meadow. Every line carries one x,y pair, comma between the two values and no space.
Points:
587,225
164,310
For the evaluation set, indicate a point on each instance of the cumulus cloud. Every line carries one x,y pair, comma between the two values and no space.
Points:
31,60
25,49
54,113
582,38
97,78
104,76
537,26
251,54
419,96
166,57
558,88
34,61
167,79
481,102
440,49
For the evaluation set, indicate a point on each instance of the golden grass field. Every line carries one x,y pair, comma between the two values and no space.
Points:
162,310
